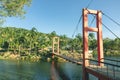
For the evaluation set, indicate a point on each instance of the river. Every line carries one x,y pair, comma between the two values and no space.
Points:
26,70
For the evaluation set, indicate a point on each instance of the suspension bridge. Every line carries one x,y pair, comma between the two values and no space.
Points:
99,68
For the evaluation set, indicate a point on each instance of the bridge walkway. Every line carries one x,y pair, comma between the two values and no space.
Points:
109,71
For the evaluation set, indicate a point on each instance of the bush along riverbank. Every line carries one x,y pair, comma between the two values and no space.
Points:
40,56
43,55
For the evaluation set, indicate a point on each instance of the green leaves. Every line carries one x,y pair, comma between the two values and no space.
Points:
13,7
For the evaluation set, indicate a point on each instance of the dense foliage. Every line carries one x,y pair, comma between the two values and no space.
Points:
31,42
13,7
10,8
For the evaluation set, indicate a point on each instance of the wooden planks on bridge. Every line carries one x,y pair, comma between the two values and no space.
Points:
79,62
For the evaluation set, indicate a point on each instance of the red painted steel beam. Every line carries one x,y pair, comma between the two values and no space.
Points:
99,38
92,29
85,43
85,38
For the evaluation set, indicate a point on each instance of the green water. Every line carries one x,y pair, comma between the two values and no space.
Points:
25,70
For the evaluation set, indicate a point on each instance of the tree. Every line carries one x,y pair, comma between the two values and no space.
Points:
5,45
63,41
53,34
76,43
13,7
33,33
116,44
10,8
107,43
91,36
92,41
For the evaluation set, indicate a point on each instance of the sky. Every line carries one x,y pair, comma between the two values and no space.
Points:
62,16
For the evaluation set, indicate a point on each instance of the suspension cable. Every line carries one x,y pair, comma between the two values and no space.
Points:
77,25
111,19
92,20
89,3
81,19
110,30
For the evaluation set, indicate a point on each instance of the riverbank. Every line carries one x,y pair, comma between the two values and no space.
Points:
43,55
11,56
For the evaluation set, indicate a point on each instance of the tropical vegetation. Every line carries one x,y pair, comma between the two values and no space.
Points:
21,43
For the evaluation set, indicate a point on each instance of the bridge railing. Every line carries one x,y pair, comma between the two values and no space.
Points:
113,61
71,59
109,69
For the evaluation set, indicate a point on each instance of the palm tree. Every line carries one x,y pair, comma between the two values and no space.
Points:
64,42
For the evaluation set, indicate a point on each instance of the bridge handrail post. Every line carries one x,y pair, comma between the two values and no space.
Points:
107,70
114,72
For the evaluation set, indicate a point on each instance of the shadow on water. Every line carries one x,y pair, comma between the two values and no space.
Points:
56,73
65,71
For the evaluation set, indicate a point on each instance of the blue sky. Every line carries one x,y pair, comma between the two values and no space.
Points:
62,16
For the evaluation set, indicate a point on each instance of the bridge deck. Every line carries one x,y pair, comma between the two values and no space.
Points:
105,72
69,59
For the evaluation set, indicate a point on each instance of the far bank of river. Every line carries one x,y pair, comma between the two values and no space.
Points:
46,57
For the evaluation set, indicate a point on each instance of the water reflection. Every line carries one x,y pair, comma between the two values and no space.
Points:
54,74
25,70
66,71
57,73
13,70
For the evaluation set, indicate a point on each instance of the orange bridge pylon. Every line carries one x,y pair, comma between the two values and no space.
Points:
98,29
